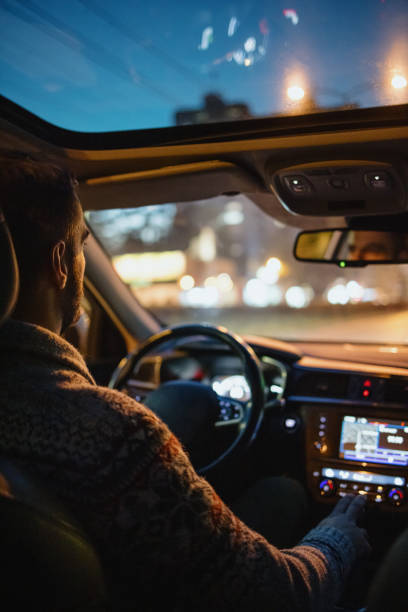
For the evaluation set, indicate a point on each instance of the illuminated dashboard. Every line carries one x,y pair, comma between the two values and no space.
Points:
374,440
235,385
222,371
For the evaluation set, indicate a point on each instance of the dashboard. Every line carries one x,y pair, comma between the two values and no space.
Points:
355,420
346,420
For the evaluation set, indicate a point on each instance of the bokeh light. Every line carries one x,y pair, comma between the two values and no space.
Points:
186,282
295,93
398,81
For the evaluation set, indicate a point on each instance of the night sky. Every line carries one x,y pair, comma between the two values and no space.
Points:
102,65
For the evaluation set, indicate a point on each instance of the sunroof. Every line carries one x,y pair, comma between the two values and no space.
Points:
107,65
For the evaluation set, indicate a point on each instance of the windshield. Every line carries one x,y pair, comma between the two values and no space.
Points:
116,65
226,262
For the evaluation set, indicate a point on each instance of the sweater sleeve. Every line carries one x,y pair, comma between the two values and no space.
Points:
171,533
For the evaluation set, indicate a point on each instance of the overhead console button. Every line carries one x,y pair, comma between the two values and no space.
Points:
298,184
338,183
378,180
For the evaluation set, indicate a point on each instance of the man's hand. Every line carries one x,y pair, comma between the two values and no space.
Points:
344,517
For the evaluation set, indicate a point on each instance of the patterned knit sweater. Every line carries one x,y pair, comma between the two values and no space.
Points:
161,530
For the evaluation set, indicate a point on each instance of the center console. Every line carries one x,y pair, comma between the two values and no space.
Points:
360,452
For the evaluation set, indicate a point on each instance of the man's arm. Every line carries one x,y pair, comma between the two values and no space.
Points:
163,531
170,526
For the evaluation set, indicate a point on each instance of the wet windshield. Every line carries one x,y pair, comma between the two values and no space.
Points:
115,65
226,262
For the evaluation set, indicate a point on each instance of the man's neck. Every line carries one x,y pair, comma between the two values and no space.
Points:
38,312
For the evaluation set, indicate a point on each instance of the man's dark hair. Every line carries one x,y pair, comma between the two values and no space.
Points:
38,200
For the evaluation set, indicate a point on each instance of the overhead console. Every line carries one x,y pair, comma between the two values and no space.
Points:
341,188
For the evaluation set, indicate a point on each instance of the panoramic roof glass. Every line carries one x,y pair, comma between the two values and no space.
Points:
93,65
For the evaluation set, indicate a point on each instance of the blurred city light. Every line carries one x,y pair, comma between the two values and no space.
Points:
186,282
338,294
250,44
398,81
256,293
207,37
224,282
232,214
352,292
299,296
370,295
270,272
355,291
259,294
275,296
203,246
292,15
149,267
274,263
267,274
200,297
232,26
295,93
211,281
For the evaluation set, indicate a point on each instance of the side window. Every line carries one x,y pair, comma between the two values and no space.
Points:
97,339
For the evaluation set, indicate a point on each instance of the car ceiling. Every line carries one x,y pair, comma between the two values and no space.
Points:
187,163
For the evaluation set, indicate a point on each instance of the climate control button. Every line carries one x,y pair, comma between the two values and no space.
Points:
396,496
327,487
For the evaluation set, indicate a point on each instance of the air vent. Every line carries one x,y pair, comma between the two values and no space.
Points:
322,385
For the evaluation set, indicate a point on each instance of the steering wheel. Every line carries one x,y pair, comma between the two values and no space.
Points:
192,410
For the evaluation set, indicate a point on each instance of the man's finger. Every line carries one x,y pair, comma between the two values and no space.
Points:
356,507
342,505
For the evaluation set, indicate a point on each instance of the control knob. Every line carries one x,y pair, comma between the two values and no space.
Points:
327,487
396,496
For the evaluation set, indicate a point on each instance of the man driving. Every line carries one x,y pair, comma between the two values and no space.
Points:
160,529
365,245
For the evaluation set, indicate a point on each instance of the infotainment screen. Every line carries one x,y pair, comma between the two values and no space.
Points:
374,441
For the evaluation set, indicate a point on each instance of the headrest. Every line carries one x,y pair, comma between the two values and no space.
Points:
8,271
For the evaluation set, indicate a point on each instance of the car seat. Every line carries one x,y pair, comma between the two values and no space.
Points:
47,562
388,589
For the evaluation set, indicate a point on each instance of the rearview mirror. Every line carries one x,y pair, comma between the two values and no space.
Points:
347,247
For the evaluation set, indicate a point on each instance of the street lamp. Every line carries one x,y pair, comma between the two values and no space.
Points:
398,81
295,93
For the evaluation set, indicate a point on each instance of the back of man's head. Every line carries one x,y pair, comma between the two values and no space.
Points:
38,200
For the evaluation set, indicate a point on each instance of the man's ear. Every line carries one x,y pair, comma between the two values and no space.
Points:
59,266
